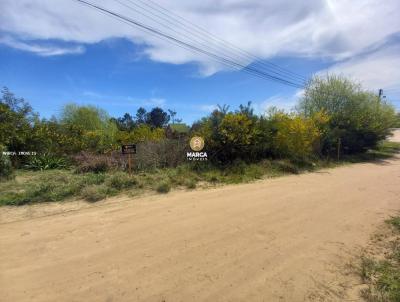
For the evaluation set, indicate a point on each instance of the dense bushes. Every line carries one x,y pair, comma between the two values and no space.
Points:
16,119
161,154
241,145
98,163
236,135
76,129
332,109
6,171
296,137
141,133
357,117
334,113
228,135
99,132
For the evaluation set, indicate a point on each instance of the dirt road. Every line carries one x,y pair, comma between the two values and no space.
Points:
284,239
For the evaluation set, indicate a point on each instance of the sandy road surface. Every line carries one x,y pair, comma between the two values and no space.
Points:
286,239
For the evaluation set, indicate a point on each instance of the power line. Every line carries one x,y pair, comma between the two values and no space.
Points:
188,38
195,30
204,46
215,38
186,45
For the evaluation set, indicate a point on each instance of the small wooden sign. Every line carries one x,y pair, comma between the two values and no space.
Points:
128,149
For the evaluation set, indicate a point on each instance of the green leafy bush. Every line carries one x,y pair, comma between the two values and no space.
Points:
99,133
121,180
190,184
46,162
6,170
163,187
11,199
228,136
295,137
358,117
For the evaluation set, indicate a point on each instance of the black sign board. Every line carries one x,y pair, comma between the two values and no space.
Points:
128,149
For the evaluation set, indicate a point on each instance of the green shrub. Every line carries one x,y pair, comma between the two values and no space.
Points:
295,137
190,184
163,187
212,176
285,166
98,131
11,198
95,193
228,135
358,117
254,172
121,180
46,162
6,170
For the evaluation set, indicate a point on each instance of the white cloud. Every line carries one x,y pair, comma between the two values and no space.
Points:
286,103
120,100
41,50
154,102
208,108
379,69
336,29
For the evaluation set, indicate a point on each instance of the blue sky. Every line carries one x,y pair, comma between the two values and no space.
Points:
53,59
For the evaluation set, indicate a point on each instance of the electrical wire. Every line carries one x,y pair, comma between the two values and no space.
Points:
186,45
207,37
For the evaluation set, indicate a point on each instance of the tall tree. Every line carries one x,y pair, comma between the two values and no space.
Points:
125,123
141,116
357,117
157,118
172,114
16,119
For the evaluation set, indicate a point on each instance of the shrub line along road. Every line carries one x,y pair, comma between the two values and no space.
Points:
283,239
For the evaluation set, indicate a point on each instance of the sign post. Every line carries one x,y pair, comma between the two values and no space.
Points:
130,164
129,149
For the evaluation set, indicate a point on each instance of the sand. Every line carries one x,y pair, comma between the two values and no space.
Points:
282,239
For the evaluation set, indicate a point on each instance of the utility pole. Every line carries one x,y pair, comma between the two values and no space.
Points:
380,94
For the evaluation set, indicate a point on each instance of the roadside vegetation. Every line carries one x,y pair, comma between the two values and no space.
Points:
381,271
77,154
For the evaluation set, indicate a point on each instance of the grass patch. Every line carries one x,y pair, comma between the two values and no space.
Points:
383,275
120,181
384,150
56,185
191,184
95,193
163,187
395,222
